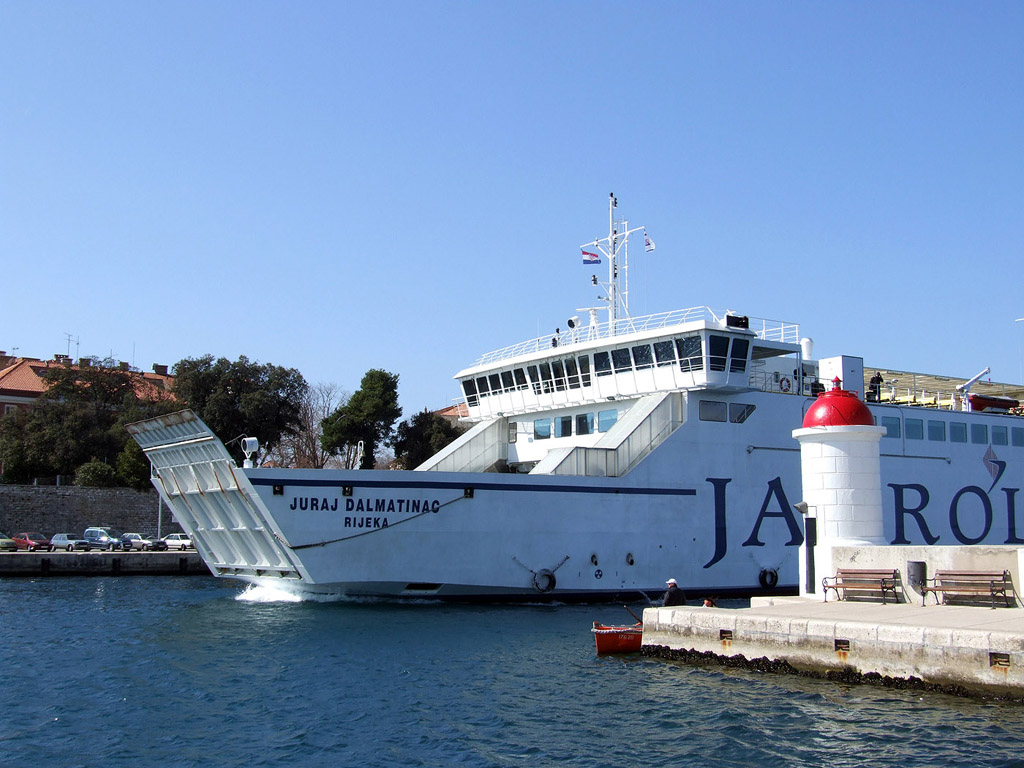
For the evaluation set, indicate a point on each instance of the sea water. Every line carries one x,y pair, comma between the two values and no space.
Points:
192,671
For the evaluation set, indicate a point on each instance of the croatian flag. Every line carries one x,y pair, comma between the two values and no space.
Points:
648,243
590,258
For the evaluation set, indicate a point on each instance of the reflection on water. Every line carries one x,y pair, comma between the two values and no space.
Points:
193,671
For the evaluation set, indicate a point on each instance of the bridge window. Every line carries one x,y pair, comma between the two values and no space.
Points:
957,432
559,371
506,381
545,377
602,364
999,436
620,360
937,431
740,412
691,355
664,352
584,423
481,386
585,371
495,381
520,377
642,357
541,429
713,410
469,389
606,420
915,429
573,373
718,350
892,426
738,359
979,434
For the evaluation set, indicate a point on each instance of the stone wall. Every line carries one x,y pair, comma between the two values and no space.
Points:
71,509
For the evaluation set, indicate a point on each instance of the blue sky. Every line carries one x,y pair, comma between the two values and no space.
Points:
337,186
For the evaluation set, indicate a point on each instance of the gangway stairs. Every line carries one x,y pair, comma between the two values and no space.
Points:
213,500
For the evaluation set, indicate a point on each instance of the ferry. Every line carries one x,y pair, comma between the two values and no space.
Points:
601,460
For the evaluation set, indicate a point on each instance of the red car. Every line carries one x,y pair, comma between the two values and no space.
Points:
32,542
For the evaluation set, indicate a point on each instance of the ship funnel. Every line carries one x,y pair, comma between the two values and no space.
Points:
806,348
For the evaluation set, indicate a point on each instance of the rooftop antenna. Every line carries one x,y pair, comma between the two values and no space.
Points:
69,338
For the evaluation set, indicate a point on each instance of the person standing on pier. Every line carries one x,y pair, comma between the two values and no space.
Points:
673,595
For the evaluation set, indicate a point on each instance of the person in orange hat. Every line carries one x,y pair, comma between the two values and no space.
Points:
673,595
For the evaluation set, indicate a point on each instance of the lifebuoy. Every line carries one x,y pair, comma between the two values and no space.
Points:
785,384
544,580
768,578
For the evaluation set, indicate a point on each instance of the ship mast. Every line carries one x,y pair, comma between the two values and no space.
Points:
615,248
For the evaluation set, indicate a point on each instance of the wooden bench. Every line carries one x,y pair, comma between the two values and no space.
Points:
967,584
863,582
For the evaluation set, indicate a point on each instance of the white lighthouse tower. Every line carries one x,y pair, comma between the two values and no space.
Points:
842,488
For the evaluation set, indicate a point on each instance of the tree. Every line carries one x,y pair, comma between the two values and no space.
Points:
368,416
80,417
242,398
96,474
420,437
133,469
304,448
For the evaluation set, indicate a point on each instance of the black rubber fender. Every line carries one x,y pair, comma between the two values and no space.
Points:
544,580
768,578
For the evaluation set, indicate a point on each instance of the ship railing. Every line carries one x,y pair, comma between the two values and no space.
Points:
474,451
768,330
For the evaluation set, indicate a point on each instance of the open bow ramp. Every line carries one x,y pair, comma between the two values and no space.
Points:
212,500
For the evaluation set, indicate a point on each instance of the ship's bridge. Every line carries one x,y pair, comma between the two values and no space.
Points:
671,352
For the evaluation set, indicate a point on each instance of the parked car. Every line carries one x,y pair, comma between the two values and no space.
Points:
103,538
7,544
157,545
130,541
70,542
178,541
32,541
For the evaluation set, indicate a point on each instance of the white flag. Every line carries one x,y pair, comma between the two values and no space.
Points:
648,243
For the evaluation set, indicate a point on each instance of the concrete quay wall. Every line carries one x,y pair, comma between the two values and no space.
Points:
58,509
957,650
101,563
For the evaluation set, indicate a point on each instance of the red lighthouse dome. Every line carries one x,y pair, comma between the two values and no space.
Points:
838,408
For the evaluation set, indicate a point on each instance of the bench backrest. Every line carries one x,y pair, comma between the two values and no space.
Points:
972,576
866,573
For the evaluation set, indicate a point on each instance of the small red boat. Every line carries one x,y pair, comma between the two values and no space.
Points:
618,639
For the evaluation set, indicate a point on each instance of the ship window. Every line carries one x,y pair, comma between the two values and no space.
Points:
584,423
915,429
738,361
545,377
506,381
541,429
469,388
937,431
513,431
979,434
664,352
740,412
690,353
712,410
602,364
495,381
606,420
534,378
1017,436
642,357
957,432
481,385
585,370
563,426
999,436
620,360
573,374
520,377
559,371
718,350
892,426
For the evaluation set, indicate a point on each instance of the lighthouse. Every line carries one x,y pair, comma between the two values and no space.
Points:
841,474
